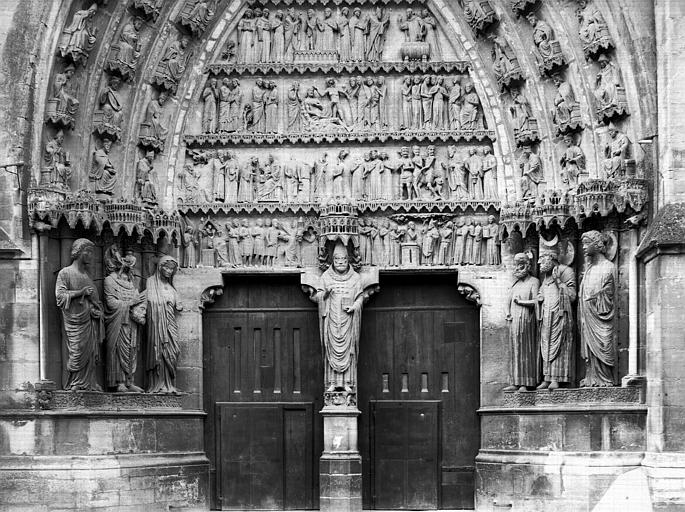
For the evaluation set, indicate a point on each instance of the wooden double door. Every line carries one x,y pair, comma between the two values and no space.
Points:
418,393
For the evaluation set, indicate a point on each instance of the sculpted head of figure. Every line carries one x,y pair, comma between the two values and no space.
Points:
327,13
167,267
410,13
257,13
593,243
603,61
310,13
549,258
532,19
521,265
106,144
357,12
82,249
115,83
613,130
341,262
491,219
345,11
265,14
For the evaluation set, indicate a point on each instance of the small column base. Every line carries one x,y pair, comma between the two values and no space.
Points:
636,381
340,466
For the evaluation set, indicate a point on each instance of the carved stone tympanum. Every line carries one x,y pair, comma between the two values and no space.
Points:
82,314
596,311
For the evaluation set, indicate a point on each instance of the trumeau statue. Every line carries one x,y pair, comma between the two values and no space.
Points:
57,170
125,310
596,311
82,314
523,326
556,297
163,346
340,293
78,39
103,175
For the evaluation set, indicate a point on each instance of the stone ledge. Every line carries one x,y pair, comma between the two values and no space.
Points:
101,462
558,458
113,401
560,397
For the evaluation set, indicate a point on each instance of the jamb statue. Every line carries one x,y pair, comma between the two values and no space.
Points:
82,314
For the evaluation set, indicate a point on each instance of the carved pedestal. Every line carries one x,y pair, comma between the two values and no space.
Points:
340,466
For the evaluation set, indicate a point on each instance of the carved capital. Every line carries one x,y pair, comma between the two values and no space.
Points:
209,295
469,293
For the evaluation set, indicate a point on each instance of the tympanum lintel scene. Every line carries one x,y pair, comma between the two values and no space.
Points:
342,254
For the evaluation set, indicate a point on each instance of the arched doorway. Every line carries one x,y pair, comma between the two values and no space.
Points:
418,394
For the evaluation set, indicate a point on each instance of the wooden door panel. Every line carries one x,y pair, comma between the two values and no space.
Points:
265,454
406,454
420,342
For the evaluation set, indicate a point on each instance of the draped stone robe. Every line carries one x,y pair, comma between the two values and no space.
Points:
83,327
556,324
121,326
523,335
596,310
338,329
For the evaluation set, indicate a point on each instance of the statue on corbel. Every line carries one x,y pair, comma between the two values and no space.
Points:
63,106
197,14
172,65
153,130
340,293
593,30
566,113
124,54
79,37
609,91
479,14
505,63
107,120
525,124
549,54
